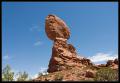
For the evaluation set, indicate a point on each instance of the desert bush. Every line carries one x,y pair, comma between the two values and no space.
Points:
58,77
106,74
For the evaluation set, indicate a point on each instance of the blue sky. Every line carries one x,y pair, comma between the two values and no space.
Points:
25,46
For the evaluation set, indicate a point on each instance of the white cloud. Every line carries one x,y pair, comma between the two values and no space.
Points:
6,57
37,43
100,57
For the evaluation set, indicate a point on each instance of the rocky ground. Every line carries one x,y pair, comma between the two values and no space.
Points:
72,74
87,73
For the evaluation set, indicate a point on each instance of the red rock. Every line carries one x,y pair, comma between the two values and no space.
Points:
63,54
90,74
116,61
56,28
102,65
109,63
112,64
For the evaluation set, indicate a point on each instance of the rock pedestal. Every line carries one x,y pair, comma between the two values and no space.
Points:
64,55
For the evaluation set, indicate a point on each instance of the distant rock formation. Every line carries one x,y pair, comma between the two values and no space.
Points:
64,55
110,63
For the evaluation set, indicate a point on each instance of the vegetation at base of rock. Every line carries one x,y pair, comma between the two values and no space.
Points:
106,74
58,77
44,73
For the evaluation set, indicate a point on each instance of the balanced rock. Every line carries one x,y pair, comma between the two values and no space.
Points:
64,55
56,28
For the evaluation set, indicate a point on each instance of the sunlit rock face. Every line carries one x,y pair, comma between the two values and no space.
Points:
64,55
56,28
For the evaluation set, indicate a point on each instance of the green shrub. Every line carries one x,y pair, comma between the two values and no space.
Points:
106,74
58,77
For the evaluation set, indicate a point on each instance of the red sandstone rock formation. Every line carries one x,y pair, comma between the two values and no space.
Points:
56,28
90,74
64,55
112,63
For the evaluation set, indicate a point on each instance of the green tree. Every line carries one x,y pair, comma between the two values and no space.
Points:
22,76
7,74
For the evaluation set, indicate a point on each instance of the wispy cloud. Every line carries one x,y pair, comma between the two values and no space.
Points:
100,57
35,28
37,43
6,57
